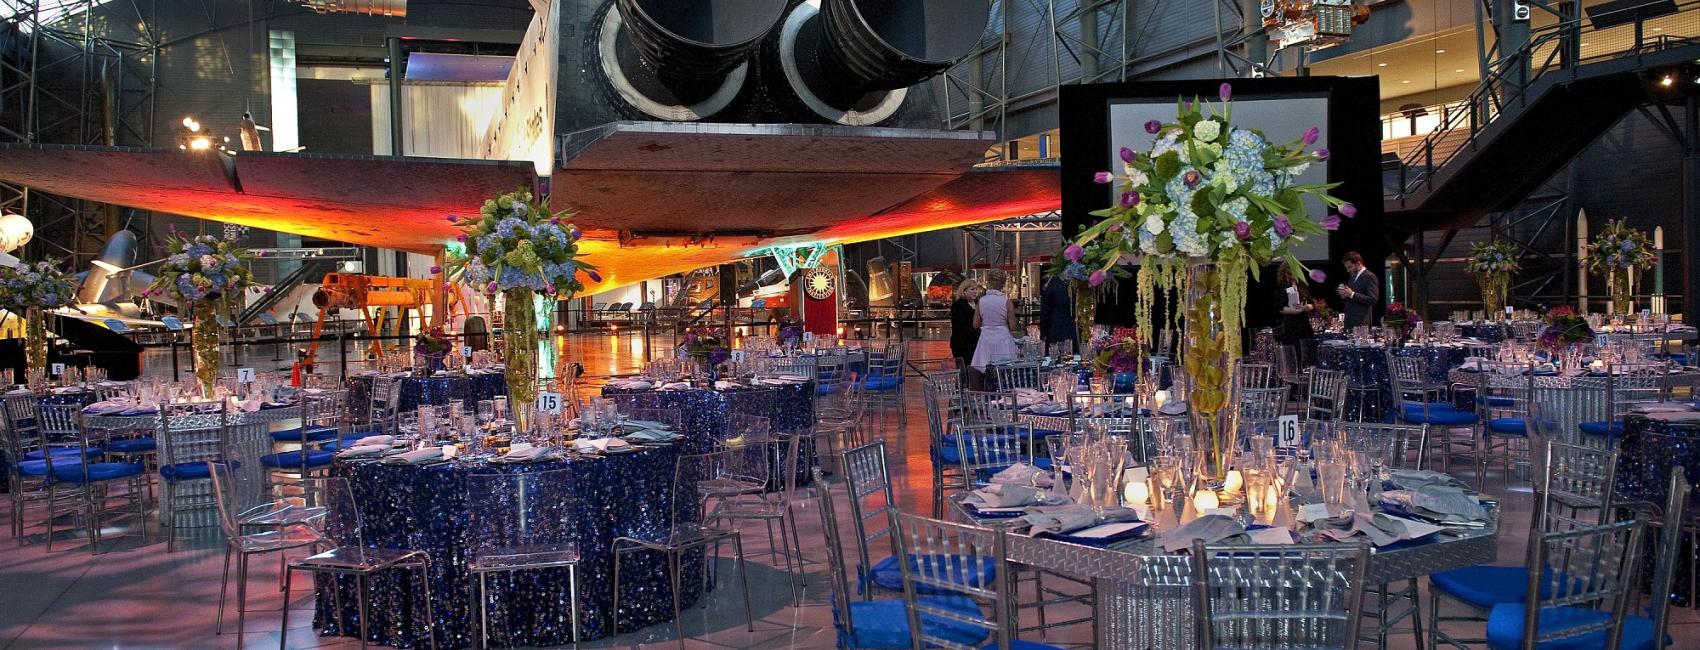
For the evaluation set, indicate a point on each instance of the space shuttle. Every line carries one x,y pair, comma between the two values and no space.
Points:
682,133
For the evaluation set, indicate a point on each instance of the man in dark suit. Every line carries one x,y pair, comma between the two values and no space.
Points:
1360,293
1056,314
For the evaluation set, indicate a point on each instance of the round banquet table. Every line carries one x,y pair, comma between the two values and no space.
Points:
1569,399
1649,450
468,389
1484,332
704,411
1366,366
425,508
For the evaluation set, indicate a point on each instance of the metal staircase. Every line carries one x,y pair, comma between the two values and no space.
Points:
1539,107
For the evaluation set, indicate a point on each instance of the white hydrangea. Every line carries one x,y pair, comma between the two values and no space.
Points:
1154,223
1207,130
1135,177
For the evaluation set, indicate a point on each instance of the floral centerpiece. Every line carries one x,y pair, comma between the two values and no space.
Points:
1564,330
1117,354
1616,253
1086,267
705,346
431,347
1321,315
790,334
1206,207
1493,262
210,275
517,247
1401,320
28,290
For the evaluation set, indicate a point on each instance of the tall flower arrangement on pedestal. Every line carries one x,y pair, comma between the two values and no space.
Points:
208,274
1616,253
1493,262
29,289
1206,207
1086,267
517,247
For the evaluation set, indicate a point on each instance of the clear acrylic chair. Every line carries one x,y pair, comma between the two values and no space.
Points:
350,554
941,392
24,452
746,468
1114,415
988,449
773,508
687,530
1025,374
882,384
1505,394
1626,386
981,407
1395,445
1325,395
1580,584
1319,588
190,434
1670,551
228,490
526,521
320,423
872,505
86,474
953,617
1261,408
1292,372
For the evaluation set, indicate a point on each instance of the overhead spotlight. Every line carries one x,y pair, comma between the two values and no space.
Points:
1667,81
1380,65
203,143
190,124
1440,51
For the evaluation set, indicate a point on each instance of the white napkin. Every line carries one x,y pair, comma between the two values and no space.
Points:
1024,475
998,495
417,456
677,385
792,378
67,390
1173,407
248,406
1660,407
1675,416
1047,408
1061,520
599,445
359,451
1030,396
526,455
1412,479
375,440
722,384
1210,528
632,384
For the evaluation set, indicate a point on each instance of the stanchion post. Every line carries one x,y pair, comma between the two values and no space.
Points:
342,349
174,356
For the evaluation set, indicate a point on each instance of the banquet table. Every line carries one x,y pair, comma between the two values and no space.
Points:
1485,332
1569,399
1369,386
1143,595
468,389
424,507
704,411
1652,446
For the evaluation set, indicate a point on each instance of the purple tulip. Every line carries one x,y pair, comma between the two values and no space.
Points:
1130,199
1126,154
1331,222
1242,229
491,287
436,269
1316,275
1321,154
1192,178
1283,227
267,289
575,233
1350,211
1115,227
1097,278
1102,178
554,221
549,287
1153,126
1186,105
1311,134
594,276
453,218
1074,253
1225,92
461,238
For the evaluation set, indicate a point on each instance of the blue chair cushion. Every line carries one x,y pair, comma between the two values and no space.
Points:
314,434
1496,400
1511,426
1505,628
1413,405
39,467
59,452
887,575
1612,429
338,445
1447,417
288,459
885,623
882,382
825,388
133,445
1484,586
190,471
98,472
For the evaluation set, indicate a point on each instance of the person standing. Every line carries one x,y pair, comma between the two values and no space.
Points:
1360,293
963,335
1056,315
1295,307
996,320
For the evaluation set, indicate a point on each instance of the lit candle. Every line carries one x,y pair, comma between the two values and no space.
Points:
1271,500
1205,500
1234,482
1160,397
1136,492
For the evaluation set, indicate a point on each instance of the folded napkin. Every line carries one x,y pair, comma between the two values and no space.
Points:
68,390
1030,396
1210,528
417,457
1440,503
677,385
1062,520
1173,407
1675,416
1411,479
527,455
1024,475
107,407
1047,408
247,406
375,440
599,445
632,384
1381,529
141,409
18,391
647,424
999,495
366,373
652,435
723,384
362,451
1661,407
792,378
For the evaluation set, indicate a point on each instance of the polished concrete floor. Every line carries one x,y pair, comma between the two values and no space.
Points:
136,595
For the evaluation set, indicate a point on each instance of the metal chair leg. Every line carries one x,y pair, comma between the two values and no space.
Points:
678,613
744,579
572,591
615,627
483,610
283,633
223,588
360,606
430,617
241,597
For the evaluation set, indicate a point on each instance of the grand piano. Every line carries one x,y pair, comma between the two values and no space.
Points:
79,343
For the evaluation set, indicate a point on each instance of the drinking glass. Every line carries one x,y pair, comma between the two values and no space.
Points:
1332,475
486,412
1166,475
501,408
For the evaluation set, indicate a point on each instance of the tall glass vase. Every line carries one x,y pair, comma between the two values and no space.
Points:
203,342
519,343
1617,280
1494,289
35,339
1085,312
1212,406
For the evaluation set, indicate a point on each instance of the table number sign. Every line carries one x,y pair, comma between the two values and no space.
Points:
1287,431
58,368
737,356
245,375
466,351
549,402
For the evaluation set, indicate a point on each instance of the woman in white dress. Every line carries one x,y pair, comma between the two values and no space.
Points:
996,320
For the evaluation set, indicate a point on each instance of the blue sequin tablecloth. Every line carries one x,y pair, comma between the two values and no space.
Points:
1484,332
790,408
468,389
425,508
1649,450
1370,389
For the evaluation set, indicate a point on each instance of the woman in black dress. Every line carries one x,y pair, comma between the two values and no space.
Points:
1295,300
964,337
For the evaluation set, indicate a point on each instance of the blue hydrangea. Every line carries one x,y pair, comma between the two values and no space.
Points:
197,250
